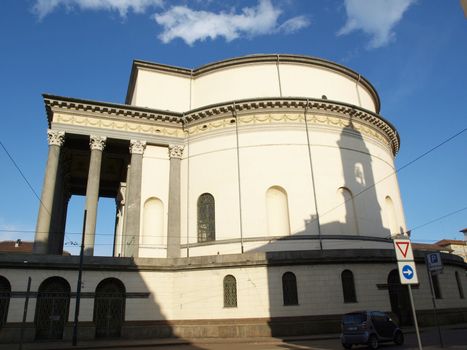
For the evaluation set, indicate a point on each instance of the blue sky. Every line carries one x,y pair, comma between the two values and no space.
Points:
414,53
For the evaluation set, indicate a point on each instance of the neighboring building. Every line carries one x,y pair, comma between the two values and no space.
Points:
430,247
245,207
17,246
456,246
464,7
464,231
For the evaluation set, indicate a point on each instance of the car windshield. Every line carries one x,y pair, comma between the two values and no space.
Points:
356,318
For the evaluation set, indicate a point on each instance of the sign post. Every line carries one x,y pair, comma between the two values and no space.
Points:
407,274
434,264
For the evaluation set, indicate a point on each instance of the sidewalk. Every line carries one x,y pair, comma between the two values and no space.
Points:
142,343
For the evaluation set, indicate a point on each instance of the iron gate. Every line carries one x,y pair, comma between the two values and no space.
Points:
5,294
53,300
109,308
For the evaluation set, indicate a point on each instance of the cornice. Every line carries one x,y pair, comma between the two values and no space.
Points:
312,106
120,111
251,59
247,259
223,110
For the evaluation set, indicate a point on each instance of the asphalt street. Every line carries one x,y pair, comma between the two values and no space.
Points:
454,338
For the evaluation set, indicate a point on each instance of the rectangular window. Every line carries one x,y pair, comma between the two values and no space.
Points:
436,287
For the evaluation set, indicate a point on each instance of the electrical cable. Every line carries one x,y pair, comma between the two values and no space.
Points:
396,171
27,182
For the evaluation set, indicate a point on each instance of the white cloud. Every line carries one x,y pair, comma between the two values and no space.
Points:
191,26
44,7
294,24
376,18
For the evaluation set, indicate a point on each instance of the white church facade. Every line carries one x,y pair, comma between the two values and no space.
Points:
255,196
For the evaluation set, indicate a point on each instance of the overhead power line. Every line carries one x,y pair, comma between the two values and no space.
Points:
23,176
26,180
439,218
397,170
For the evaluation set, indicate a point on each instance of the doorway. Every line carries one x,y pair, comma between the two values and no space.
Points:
399,297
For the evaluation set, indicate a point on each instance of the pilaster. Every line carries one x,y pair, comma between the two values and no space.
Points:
174,215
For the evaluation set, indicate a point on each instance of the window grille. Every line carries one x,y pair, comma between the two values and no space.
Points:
289,289
5,294
348,287
459,286
206,218
230,291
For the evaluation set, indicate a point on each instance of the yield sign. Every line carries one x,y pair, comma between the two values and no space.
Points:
403,250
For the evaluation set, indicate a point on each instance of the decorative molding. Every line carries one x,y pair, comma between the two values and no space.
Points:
121,194
137,146
97,142
55,137
134,126
155,122
176,151
323,112
105,109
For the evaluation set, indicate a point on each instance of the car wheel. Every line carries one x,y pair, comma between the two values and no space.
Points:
399,338
373,342
347,346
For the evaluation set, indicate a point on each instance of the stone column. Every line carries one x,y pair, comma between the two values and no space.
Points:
174,217
97,144
133,202
41,239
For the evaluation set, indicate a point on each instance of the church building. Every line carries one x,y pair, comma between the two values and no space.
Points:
255,196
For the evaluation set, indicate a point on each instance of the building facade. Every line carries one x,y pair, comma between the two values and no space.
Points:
255,196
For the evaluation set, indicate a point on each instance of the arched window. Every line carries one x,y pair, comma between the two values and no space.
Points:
436,286
230,291
153,223
53,299
348,287
459,286
109,308
289,288
5,294
391,216
348,214
206,218
277,211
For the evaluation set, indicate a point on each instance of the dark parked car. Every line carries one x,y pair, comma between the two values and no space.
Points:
369,327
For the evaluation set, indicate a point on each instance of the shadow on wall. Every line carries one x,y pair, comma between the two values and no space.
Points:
116,299
329,289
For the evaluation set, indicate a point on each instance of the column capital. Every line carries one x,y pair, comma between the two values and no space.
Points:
176,151
137,146
56,137
97,142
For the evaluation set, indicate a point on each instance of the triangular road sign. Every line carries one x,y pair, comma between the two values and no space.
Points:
403,250
403,247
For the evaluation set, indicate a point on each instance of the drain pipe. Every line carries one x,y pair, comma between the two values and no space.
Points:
187,133
357,84
234,114
312,175
279,76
